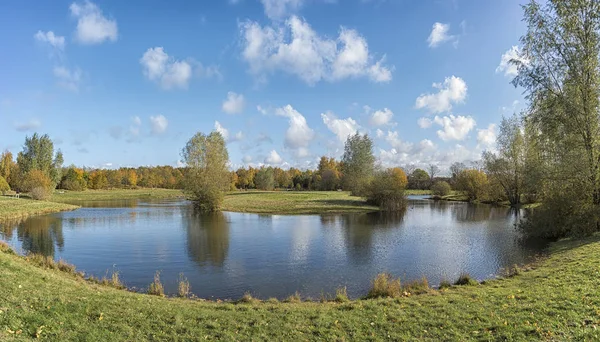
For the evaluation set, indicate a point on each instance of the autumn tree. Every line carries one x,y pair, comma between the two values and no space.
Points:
207,177
8,168
38,154
358,164
474,183
386,189
4,187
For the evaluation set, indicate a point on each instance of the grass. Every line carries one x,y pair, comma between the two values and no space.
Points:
558,298
115,194
295,202
17,208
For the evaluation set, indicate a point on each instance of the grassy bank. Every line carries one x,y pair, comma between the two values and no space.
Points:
559,299
16,208
116,194
294,202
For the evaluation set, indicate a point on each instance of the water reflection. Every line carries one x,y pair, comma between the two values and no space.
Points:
207,237
40,235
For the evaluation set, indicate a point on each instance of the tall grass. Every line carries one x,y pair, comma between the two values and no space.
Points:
183,286
384,285
156,288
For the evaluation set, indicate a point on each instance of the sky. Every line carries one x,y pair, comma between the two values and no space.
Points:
127,83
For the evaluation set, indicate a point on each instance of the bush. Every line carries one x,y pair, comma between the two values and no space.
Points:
440,189
341,295
38,185
4,187
384,285
474,183
465,279
387,190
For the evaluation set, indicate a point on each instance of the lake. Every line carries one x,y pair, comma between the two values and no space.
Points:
225,255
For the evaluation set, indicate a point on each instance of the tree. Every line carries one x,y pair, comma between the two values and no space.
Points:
358,164
207,177
434,170
328,174
73,180
38,184
3,185
559,71
507,166
440,189
419,179
38,154
474,183
386,190
265,179
7,166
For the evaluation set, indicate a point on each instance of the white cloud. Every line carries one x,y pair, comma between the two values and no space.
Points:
298,135
30,125
165,70
247,159
225,133
261,110
56,42
452,91
92,26
234,104
342,128
295,48
394,140
136,120
487,136
159,124
454,127
424,122
440,34
273,158
68,79
379,133
381,117
510,61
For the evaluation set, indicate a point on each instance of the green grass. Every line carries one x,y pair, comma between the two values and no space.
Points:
417,192
115,194
557,299
17,208
294,202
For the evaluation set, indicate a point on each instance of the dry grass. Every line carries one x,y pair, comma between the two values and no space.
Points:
384,285
183,286
17,208
156,288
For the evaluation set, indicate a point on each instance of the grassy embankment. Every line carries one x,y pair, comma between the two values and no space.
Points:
17,208
116,194
557,299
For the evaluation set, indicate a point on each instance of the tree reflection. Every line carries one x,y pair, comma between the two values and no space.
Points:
207,237
39,235
359,229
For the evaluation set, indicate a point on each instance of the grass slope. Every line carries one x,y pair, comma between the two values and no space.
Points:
557,300
294,202
16,208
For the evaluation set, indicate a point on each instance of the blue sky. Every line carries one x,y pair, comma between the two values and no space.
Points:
127,83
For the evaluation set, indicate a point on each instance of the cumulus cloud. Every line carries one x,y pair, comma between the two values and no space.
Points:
487,137
225,133
381,117
277,9
273,158
92,26
234,104
247,159
30,125
169,73
159,124
454,127
342,128
56,42
440,34
68,79
295,48
424,122
298,135
452,91
510,62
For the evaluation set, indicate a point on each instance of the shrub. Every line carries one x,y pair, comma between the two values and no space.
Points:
384,285
183,286
465,279
440,189
38,185
445,284
341,295
247,298
474,183
4,187
295,298
387,190
418,286
156,288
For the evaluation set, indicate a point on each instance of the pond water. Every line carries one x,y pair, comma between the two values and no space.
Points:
227,254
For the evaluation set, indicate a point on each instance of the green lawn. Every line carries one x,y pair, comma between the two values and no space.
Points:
294,202
559,299
16,208
116,194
